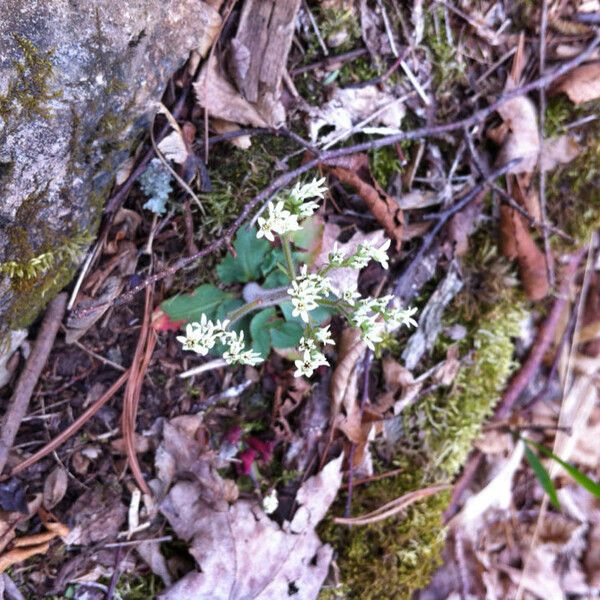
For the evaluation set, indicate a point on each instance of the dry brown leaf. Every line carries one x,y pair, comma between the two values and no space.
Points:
222,126
518,244
242,554
354,171
582,84
174,148
222,100
55,487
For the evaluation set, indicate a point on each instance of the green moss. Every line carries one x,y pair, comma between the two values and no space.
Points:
30,88
448,66
394,558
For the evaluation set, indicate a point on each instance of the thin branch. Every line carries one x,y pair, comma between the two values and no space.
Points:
19,402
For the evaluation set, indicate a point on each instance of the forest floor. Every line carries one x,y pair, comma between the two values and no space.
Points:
451,457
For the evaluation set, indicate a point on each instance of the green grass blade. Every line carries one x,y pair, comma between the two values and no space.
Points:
583,480
543,476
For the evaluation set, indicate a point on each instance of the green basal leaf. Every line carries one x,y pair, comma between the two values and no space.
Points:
276,279
260,326
246,266
543,476
319,315
286,334
189,307
583,480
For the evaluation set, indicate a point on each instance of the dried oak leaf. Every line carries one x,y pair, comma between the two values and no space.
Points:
243,554
581,84
354,171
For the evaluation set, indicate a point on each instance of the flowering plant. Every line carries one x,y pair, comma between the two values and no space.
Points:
305,299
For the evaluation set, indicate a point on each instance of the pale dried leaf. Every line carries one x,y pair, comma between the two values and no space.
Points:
582,84
55,487
558,151
348,107
523,139
173,148
242,554
222,100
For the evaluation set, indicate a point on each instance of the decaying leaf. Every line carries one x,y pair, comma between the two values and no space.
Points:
430,319
354,171
348,108
55,487
518,244
581,84
173,147
558,151
346,278
221,99
242,554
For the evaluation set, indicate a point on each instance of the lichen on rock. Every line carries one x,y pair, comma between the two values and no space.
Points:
78,83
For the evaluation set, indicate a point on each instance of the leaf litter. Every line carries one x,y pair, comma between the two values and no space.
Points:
214,450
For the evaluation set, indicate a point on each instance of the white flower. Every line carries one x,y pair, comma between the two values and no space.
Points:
307,209
306,290
323,335
361,257
402,317
279,221
270,502
337,256
236,352
313,189
380,254
311,360
200,337
349,295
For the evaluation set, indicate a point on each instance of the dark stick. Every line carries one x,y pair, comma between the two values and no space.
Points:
286,178
17,407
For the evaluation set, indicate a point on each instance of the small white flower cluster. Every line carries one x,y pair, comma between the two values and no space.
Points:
202,336
307,289
376,316
364,253
283,217
270,502
311,356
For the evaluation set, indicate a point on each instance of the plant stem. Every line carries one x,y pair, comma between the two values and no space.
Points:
268,298
287,252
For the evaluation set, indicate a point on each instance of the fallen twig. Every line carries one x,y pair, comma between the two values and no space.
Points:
17,407
394,507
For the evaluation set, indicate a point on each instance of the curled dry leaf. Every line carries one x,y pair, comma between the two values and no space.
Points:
242,554
517,243
581,84
55,487
354,171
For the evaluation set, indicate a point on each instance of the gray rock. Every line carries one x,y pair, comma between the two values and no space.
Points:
78,80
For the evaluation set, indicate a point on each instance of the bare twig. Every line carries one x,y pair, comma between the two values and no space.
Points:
542,176
17,407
